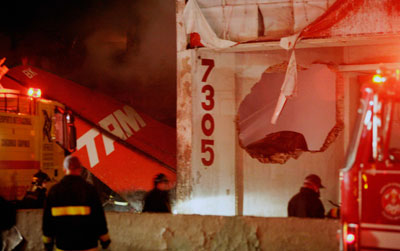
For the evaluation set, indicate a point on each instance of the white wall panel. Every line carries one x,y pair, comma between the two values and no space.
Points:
213,149
236,23
239,20
277,23
306,12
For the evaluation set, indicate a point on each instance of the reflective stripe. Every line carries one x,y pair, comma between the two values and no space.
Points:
104,237
91,249
70,210
47,239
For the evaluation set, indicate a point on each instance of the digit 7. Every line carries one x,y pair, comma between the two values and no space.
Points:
210,64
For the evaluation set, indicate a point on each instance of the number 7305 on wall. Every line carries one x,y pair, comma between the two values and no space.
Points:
207,121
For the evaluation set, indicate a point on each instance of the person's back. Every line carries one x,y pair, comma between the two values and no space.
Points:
306,203
73,216
34,199
157,200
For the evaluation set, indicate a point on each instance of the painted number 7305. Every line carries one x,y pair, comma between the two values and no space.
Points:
207,121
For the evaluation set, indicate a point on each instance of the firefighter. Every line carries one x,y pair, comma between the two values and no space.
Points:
73,216
306,203
157,200
36,194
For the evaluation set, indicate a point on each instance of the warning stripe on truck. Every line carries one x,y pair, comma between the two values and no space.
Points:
19,164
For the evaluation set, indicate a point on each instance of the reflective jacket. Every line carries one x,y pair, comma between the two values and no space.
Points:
306,204
73,216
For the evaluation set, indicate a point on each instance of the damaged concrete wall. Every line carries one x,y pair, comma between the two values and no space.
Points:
234,183
153,232
267,188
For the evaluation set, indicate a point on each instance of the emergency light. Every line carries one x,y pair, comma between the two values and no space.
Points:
378,79
382,76
350,238
34,92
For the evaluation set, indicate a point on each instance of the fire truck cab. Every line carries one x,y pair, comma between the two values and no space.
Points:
35,134
370,181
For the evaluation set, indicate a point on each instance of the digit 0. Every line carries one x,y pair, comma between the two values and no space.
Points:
207,124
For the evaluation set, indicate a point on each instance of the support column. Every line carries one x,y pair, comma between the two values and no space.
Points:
184,110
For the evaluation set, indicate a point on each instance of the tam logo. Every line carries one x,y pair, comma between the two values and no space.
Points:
122,124
29,73
390,201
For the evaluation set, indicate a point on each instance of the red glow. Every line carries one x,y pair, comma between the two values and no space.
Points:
350,238
34,92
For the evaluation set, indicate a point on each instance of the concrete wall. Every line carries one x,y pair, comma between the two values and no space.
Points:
145,232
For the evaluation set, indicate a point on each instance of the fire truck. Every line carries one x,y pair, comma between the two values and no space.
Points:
122,149
370,181
35,134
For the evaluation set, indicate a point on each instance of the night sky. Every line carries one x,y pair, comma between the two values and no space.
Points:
124,48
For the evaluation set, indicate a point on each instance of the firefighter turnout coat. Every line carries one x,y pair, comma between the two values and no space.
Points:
73,216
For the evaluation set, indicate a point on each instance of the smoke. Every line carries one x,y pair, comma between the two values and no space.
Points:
131,54
124,48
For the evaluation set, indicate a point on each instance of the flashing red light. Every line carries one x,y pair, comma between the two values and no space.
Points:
350,238
378,79
34,92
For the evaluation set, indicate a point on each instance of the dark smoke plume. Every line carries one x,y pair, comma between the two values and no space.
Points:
123,48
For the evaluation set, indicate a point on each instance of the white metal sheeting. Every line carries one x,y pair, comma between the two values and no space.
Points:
195,22
243,20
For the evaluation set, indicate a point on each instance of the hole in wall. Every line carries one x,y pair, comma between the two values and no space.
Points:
309,122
